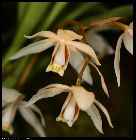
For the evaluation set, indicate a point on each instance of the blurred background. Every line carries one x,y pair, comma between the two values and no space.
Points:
27,18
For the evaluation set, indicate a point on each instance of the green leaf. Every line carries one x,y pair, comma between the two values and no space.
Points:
29,22
124,11
22,8
82,8
58,7
10,81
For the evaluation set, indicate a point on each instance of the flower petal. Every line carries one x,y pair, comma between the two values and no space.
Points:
45,93
128,40
30,117
95,116
84,48
36,109
77,61
8,114
9,95
57,86
66,101
102,80
99,44
68,35
33,48
70,111
47,34
131,25
117,59
83,98
104,111
59,59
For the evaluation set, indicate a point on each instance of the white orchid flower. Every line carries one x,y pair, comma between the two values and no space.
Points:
12,100
99,43
78,99
65,49
127,38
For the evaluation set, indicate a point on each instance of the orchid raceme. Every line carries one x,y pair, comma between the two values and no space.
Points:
127,38
12,100
78,99
64,46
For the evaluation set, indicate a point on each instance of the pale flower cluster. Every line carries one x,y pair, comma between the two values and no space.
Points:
68,48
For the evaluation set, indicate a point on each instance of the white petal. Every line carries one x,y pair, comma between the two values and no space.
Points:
47,34
30,117
128,40
33,48
77,61
117,59
60,58
84,48
87,75
99,44
102,80
131,25
45,93
57,86
66,101
83,98
3,103
70,111
68,35
9,95
8,115
104,111
95,116
36,109
54,51
67,56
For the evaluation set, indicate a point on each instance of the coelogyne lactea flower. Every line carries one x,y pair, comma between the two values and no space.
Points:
12,100
127,38
64,47
77,99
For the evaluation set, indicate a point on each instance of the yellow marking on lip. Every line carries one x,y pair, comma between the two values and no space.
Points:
56,68
7,127
60,118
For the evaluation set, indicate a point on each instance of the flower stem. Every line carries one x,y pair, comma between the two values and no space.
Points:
120,25
79,79
113,23
101,23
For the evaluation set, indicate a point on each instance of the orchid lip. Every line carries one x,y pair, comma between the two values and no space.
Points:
60,118
8,128
56,68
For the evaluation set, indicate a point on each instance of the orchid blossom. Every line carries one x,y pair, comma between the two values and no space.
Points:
13,100
77,99
65,47
127,38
